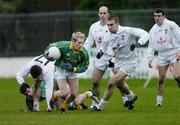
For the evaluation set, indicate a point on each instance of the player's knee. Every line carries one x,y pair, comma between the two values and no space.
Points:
110,86
73,95
120,85
65,93
161,81
96,84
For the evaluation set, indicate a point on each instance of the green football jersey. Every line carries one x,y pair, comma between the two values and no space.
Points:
78,59
43,89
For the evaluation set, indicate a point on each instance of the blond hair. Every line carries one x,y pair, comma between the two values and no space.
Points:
76,35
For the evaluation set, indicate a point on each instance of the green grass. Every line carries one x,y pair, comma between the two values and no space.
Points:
145,112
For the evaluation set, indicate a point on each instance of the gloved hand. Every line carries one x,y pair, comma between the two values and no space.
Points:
99,54
132,47
68,66
111,63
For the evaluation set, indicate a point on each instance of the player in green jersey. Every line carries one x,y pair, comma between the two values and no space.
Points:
74,59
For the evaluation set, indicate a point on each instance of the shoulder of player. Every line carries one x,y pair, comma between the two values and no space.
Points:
95,24
62,44
170,23
124,29
153,28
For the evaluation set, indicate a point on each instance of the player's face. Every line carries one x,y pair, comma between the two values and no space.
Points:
159,18
103,15
113,27
78,44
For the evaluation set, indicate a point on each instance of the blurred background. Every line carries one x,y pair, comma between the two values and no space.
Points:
28,26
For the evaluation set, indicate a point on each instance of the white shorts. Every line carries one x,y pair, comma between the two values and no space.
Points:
126,65
103,62
63,74
167,58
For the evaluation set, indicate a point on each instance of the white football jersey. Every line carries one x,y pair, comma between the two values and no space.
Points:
97,32
48,74
164,37
118,44
46,65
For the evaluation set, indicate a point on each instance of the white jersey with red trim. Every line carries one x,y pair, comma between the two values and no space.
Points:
97,32
164,38
118,44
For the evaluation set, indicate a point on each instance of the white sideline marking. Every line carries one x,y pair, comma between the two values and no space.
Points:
147,81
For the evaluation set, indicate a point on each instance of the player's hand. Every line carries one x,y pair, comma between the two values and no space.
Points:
132,47
68,66
111,63
99,54
150,63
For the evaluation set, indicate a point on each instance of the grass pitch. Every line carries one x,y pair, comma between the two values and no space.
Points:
145,112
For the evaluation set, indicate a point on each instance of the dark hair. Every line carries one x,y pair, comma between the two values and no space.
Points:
35,71
115,18
23,88
159,10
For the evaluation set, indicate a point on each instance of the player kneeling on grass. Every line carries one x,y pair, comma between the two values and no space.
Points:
26,90
41,69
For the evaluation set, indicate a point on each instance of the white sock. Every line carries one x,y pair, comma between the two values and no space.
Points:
159,99
124,98
130,96
36,106
102,104
48,104
94,104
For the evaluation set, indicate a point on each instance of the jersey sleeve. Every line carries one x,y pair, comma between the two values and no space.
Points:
176,29
151,49
90,39
142,34
22,73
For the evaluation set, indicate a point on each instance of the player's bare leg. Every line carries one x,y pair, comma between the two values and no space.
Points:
124,96
64,90
160,85
176,72
73,85
97,76
118,78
